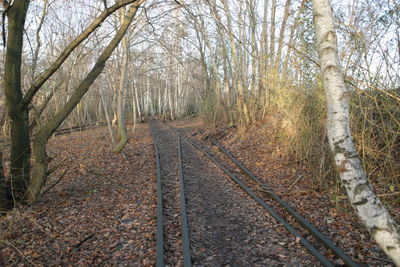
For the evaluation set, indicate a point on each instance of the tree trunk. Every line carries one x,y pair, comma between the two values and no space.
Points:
272,31
282,36
107,117
263,90
365,202
227,70
6,202
291,41
38,42
123,135
236,75
45,132
18,114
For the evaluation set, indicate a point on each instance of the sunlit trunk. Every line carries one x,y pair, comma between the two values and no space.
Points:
122,133
365,202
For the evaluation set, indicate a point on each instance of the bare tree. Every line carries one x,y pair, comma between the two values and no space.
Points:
18,104
45,132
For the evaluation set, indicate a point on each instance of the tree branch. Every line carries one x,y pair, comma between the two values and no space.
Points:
42,78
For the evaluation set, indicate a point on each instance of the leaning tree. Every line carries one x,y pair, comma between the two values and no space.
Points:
365,202
24,184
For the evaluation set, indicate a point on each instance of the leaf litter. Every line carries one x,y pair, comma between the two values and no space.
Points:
102,212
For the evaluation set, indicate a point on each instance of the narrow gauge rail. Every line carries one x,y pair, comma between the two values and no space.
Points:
160,228
301,220
160,252
5,143
78,128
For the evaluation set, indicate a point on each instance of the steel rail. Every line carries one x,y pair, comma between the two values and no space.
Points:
300,219
321,258
160,228
187,262
5,142
78,128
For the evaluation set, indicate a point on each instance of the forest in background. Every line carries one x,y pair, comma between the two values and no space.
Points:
239,63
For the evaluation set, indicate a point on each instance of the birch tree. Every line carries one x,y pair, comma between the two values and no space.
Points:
363,199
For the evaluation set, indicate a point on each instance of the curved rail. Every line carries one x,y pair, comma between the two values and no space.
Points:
300,219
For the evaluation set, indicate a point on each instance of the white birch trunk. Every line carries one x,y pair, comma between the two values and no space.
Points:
367,205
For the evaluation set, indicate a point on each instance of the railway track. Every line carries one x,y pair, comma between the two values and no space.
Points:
260,193
5,143
164,248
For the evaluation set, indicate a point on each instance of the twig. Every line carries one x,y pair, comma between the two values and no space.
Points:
295,192
53,185
270,191
101,149
190,116
50,171
20,252
382,259
295,182
76,247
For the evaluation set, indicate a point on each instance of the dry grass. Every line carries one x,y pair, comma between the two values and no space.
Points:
296,118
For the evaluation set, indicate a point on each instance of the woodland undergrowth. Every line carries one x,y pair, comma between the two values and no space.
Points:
295,119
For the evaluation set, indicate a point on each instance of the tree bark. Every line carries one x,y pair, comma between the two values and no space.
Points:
263,90
45,132
363,199
236,75
272,32
122,133
107,117
291,42
282,36
6,202
18,113
38,42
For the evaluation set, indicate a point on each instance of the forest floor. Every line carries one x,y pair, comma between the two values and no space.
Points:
327,209
103,210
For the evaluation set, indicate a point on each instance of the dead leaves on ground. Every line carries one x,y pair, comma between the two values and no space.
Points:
101,213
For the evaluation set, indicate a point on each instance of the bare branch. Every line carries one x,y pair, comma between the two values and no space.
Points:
41,79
